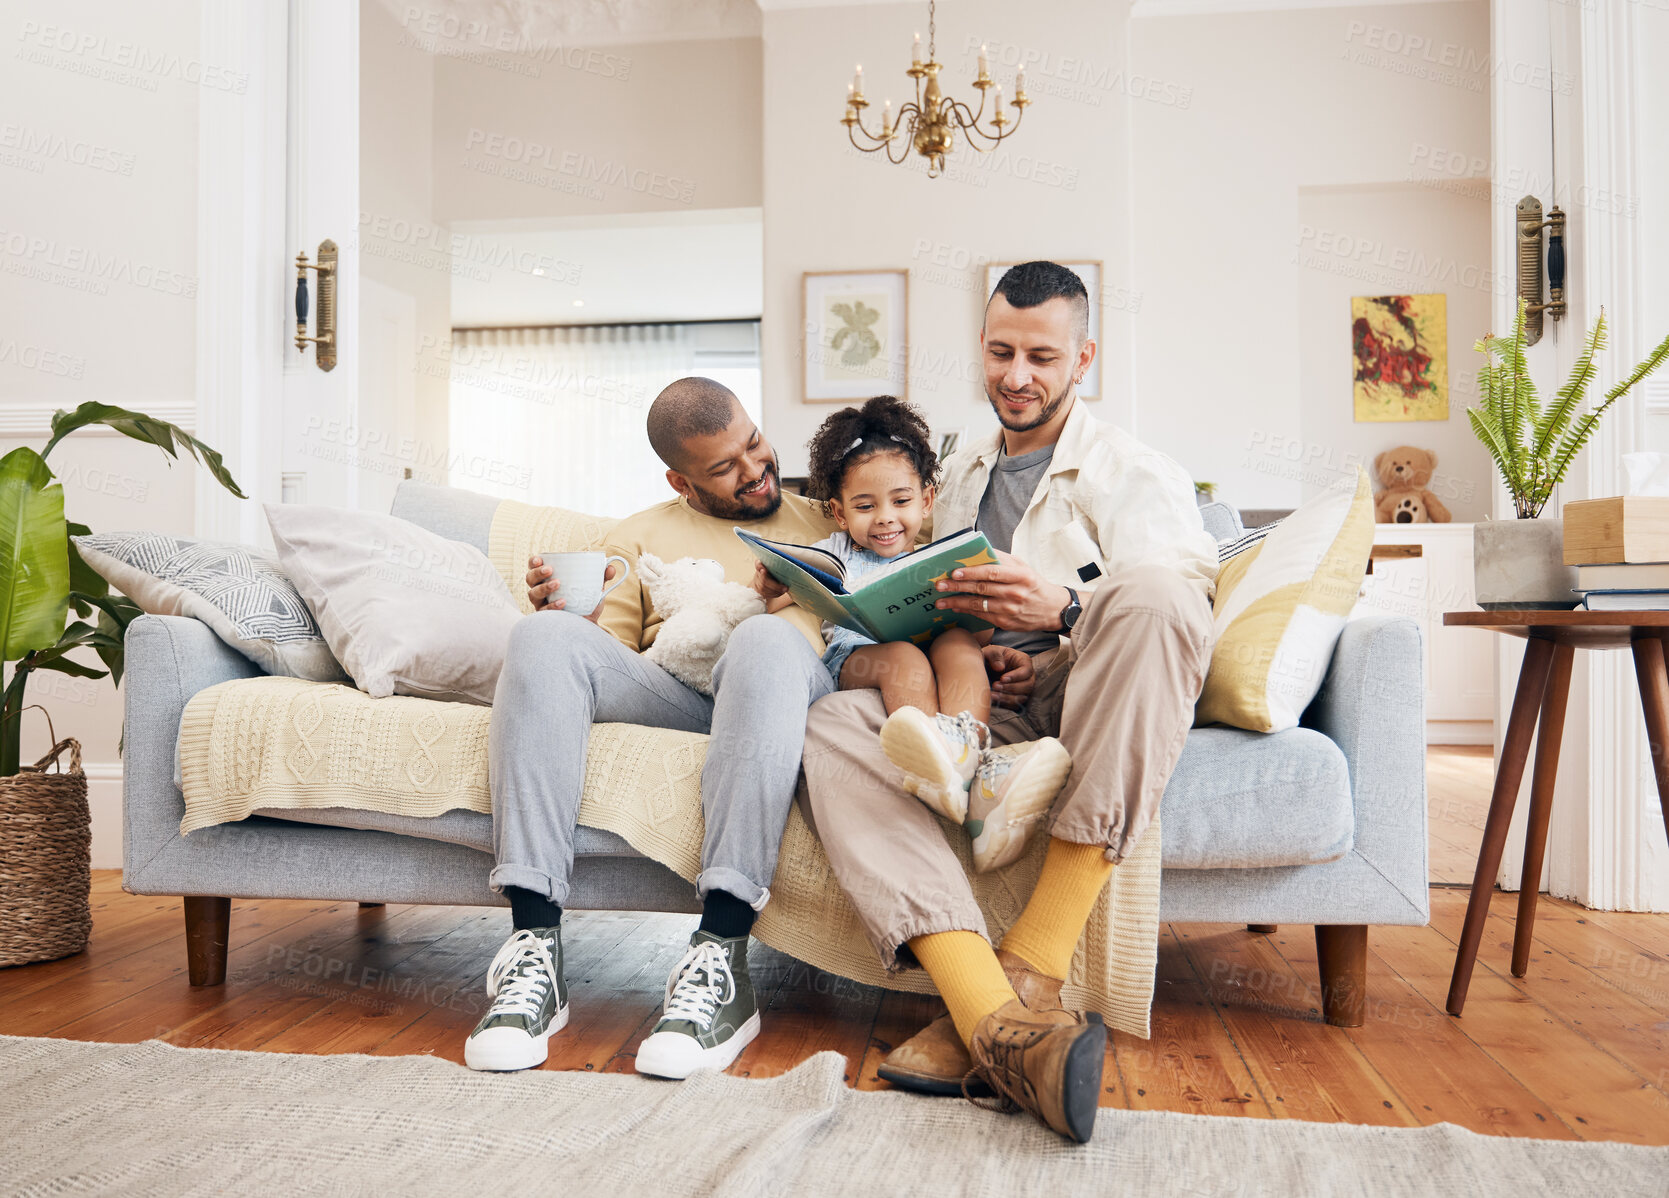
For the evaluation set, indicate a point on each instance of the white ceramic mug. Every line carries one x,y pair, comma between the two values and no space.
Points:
581,576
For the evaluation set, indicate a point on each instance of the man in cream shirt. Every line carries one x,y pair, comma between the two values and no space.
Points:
1104,577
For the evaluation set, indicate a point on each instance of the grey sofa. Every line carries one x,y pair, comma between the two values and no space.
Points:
1324,824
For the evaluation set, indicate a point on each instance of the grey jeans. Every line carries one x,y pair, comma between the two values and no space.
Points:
562,674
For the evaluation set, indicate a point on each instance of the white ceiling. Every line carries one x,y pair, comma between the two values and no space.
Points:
539,23
622,22
673,266
1199,8
776,5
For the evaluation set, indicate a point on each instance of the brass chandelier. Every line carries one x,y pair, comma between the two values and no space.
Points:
930,121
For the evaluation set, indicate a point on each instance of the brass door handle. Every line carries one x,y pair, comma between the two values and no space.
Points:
325,321
1532,230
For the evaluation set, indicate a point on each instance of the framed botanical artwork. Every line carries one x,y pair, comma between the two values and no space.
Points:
1090,273
1399,347
855,326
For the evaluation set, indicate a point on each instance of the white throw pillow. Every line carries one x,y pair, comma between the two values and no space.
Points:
406,611
239,592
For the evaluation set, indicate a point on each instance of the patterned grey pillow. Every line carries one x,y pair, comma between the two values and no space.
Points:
238,591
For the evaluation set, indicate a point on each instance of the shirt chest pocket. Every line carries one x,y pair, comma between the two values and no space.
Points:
1069,555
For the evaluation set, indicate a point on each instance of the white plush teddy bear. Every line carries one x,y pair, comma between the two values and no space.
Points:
699,609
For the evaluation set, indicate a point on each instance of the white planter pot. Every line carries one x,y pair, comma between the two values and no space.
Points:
1519,565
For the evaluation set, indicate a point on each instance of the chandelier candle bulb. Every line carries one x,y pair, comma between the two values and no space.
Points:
1020,82
915,54
984,61
857,83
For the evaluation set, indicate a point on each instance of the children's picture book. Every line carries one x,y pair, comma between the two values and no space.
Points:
892,604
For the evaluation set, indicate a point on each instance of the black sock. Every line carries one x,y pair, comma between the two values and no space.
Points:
530,910
723,914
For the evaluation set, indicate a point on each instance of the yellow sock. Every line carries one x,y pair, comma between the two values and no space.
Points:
1048,929
966,972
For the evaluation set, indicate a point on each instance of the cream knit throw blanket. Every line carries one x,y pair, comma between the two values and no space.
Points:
275,743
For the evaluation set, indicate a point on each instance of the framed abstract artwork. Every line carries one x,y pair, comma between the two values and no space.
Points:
1090,273
1399,347
855,334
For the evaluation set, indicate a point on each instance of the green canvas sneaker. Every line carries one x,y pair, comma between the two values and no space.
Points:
530,1003
710,1014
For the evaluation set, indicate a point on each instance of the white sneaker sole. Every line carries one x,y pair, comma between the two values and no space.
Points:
1030,790
506,1049
674,1055
910,739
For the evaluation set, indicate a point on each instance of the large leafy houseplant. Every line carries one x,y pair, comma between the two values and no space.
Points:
42,577
1533,446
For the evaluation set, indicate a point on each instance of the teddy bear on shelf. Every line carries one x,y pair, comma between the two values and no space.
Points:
698,609
1404,472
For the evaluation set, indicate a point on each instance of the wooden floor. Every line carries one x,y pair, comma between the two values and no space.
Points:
1579,1049
1457,800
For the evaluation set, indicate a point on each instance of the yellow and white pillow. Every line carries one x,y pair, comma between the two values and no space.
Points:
1282,600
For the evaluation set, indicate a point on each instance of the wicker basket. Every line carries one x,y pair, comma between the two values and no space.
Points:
44,860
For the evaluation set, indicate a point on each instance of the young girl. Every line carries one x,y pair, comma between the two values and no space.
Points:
875,470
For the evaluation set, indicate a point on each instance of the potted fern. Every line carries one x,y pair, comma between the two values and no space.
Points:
1519,564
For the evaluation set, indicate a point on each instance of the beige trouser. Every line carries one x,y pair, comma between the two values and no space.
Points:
1120,698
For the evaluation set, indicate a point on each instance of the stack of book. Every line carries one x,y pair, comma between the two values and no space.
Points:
1620,548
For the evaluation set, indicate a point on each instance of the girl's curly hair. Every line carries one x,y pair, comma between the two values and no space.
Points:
885,424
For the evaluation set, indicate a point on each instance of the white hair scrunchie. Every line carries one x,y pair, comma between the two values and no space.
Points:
857,441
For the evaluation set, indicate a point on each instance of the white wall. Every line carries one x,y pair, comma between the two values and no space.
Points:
405,259
1451,232
1244,326
1651,209
1058,189
98,273
638,266
657,127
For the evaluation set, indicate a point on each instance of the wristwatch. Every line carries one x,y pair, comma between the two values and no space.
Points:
1071,612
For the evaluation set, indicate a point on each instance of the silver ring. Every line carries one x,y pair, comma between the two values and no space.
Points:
987,604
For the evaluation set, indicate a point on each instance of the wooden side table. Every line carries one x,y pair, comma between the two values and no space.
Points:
1543,686
1400,553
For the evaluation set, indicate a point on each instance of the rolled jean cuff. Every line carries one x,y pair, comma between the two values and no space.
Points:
526,877
732,882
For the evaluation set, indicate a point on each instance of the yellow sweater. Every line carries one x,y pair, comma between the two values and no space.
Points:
673,529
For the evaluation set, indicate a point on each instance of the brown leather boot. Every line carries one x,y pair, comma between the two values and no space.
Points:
1038,991
934,1060
1049,1068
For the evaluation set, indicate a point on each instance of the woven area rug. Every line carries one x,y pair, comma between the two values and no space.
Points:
154,1119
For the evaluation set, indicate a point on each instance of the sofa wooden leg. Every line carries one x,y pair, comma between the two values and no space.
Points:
366,906
1342,951
208,923
1263,929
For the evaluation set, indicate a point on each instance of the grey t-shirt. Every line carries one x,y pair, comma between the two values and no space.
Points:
1007,496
